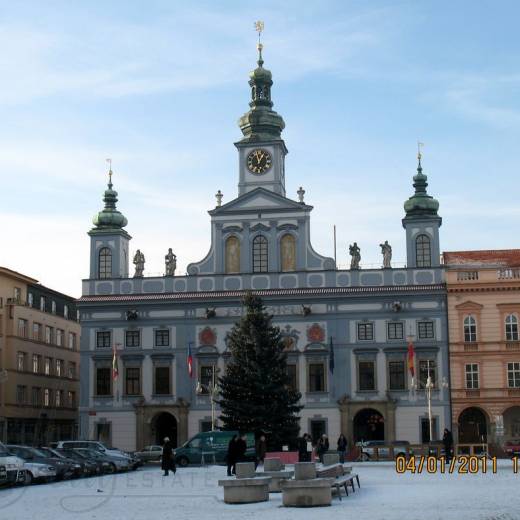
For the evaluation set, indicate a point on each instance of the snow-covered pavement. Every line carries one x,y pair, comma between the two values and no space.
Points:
194,494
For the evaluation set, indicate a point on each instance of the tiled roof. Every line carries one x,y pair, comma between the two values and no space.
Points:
485,258
325,291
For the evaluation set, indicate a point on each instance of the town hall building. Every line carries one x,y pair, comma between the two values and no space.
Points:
260,241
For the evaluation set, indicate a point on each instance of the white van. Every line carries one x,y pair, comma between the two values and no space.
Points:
12,470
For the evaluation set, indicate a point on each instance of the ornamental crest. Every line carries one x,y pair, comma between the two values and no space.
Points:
316,333
289,338
207,336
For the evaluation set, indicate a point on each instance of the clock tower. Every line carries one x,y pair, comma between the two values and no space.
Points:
262,150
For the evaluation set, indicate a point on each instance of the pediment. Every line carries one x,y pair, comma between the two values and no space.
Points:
469,306
260,199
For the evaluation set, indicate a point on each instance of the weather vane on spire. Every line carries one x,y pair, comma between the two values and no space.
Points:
109,161
259,28
419,150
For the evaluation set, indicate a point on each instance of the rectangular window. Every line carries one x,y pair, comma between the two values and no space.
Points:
17,294
427,366
291,373
48,335
472,376
316,377
513,375
22,328
47,369
395,330
66,312
35,363
103,381
133,381
59,398
425,330
53,307
72,399
20,361
72,341
37,331
36,396
103,339
47,397
365,331
72,370
425,429
42,303
30,299
21,394
396,375
206,378
59,337
132,338
59,367
162,380
162,338
366,376
205,426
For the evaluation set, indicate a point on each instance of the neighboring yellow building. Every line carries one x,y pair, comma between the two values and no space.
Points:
39,362
483,317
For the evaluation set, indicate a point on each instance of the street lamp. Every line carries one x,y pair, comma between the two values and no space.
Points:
429,386
212,390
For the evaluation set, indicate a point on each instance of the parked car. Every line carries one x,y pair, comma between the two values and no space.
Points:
95,467
149,453
80,469
96,445
116,463
368,451
512,447
39,472
12,467
213,442
63,470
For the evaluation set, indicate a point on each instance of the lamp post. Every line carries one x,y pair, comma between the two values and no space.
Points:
212,390
429,387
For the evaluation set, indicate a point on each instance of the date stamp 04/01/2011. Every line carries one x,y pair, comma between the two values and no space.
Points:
462,464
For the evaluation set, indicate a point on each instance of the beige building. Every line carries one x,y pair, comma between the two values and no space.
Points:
483,315
39,361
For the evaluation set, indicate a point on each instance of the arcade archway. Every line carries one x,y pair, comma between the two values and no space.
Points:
369,425
163,425
472,425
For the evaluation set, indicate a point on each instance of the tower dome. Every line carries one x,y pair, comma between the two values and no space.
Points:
109,218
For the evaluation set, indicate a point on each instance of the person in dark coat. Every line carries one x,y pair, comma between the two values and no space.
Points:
322,447
231,455
241,447
304,455
447,440
342,448
261,450
168,457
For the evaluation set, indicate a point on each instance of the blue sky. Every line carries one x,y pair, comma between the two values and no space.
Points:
159,85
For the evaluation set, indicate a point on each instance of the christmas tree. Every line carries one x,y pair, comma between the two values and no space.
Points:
255,392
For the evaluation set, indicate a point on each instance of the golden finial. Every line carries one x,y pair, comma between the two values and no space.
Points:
109,161
419,148
259,28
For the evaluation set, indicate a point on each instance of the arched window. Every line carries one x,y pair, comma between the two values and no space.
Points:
288,253
470,329
423,251
511,328
260,254
105,263
232,255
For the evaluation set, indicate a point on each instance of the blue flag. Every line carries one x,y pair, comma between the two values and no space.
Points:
331,357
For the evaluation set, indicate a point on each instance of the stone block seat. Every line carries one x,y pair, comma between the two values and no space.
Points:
246,488
305,490
276,470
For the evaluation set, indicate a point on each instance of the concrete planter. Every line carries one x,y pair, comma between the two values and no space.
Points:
307,493
245,490
277,477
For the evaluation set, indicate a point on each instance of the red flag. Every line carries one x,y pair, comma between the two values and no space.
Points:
190,361
115,368
411,356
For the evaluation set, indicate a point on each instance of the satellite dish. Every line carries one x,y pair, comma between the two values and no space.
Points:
3,376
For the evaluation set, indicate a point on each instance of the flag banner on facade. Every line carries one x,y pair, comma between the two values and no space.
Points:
115,367
331,356
411,360
190,361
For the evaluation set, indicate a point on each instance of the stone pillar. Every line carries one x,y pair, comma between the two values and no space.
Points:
182,426
346,424
390,421
140,424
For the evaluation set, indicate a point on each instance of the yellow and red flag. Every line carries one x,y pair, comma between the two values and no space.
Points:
411,359
115,368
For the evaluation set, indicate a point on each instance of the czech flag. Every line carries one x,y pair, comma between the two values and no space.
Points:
190,361
115,368
411,360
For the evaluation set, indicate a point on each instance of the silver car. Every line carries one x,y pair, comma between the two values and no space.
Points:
149,453
38,472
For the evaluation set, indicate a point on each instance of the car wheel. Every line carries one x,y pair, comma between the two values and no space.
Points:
28,478
183,461
365,457
113,468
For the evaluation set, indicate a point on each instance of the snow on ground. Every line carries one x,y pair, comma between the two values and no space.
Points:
194,494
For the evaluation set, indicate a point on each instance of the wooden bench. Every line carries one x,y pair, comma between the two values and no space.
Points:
342,479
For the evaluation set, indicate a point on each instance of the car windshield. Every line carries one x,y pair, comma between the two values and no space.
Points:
39,453
90,453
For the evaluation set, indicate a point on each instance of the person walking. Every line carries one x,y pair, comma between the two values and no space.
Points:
303,455
342,448
168,457
322,447
261,450
241,447
231,455
447,440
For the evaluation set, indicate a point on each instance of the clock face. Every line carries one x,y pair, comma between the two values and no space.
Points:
259,161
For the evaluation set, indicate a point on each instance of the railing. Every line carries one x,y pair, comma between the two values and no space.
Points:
436,449
467,275
471,347
471,449
473,393
512,345
513,392
508,274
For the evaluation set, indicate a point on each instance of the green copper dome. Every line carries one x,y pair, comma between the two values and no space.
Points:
421,204
110,217
261,122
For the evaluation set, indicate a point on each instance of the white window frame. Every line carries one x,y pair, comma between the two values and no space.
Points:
472,376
